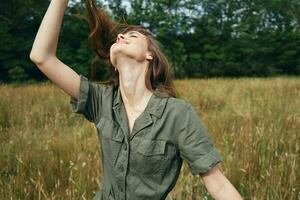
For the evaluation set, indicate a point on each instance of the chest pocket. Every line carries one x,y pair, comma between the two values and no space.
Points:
112,140
153,157
152,148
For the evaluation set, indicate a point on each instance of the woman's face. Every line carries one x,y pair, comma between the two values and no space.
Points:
132,45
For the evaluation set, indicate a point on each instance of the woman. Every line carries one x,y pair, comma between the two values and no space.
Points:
145,132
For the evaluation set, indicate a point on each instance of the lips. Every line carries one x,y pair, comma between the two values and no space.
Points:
123,41
120,42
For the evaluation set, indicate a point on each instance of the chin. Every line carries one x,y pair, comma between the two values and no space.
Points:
112,56
113,61
116,54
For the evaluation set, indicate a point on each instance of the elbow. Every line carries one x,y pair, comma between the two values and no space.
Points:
36,58
32,56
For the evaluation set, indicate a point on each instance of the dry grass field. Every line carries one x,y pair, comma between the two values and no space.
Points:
48,152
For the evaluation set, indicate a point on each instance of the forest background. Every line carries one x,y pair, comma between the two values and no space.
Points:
236,61
202,39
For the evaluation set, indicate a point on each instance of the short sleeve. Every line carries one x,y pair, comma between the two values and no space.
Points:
89,101
195,145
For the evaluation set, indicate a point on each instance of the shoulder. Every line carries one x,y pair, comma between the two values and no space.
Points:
103,87
95,86
177,105
178,102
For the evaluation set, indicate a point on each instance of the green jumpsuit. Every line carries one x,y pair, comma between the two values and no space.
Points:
144,164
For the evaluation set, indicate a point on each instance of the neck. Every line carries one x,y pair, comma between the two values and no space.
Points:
133,90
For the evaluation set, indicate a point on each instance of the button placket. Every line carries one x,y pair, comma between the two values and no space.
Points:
121,189
123,167
124,159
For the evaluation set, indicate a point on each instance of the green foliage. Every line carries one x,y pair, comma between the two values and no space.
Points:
200,38
17,74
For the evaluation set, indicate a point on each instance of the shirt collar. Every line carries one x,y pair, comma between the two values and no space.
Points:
155,105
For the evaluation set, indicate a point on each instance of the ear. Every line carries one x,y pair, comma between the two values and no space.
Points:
149,57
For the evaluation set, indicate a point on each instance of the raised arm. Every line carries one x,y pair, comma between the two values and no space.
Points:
43,52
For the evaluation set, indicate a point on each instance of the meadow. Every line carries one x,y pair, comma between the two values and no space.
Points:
48,152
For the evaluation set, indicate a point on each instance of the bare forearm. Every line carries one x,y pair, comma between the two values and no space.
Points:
223,191
219,186
45,43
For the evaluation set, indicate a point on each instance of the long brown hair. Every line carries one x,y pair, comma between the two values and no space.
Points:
103,34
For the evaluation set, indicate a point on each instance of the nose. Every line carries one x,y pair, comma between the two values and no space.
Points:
120,36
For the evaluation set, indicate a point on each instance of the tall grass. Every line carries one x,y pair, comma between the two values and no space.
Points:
48,152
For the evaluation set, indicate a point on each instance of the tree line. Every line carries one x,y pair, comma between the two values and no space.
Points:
201,38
